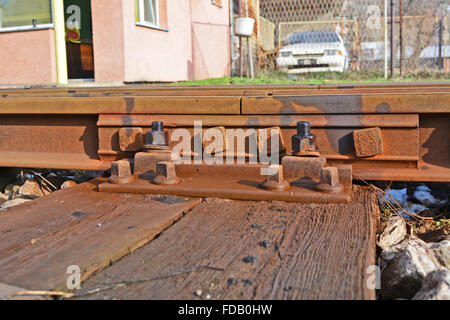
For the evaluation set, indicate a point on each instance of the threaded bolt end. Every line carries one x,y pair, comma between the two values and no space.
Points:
303,128
157,126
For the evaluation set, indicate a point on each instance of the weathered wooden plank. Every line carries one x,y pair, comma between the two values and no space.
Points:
314,252
7,292
79,226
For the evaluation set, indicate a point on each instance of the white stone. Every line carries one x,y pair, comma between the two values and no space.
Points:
394,232
436,286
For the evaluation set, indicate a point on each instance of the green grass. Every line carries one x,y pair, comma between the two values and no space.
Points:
316,78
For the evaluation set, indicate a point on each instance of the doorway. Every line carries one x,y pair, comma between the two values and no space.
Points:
79,45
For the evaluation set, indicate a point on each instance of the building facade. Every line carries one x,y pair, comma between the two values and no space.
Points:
115,40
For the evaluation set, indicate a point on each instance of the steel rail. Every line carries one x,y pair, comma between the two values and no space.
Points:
82,132
220,89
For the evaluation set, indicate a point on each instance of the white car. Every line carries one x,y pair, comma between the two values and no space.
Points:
313,51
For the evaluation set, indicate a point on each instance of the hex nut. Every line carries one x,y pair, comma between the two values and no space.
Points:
329,180
166,173
121,172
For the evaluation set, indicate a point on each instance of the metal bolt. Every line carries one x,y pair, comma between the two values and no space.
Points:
303,128
276,181
156,138
166,173
157,126
121,172
329,180
304,143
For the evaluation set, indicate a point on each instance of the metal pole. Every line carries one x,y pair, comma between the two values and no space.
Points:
392,39
60,41
386,49
232,65
441,34
241,51
249,41
401,35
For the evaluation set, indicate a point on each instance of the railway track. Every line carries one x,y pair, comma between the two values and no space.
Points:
362,131
79,128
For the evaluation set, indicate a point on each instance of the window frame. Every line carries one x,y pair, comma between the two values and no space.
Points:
29,27
141,15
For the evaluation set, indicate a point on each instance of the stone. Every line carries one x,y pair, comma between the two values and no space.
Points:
408,264
31,189
441,251
12,190
368,142
394,232
131,139
436,286
68,184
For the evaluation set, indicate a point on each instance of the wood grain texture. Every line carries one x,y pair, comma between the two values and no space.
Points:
314,252
78,226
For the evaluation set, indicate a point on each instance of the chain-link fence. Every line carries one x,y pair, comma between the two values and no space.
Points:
349,36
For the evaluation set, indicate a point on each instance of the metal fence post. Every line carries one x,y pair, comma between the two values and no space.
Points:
392,38
386,48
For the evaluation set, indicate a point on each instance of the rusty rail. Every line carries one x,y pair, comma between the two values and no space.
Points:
79,128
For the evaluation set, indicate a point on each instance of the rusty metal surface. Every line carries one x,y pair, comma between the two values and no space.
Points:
238,182
125,105
69,129
352,103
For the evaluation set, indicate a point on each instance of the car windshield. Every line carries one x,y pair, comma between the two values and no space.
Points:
313,37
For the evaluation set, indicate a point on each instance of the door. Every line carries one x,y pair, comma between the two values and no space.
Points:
80,53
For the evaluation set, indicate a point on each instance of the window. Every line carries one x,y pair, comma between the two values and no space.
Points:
217,2
25,14
147,12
